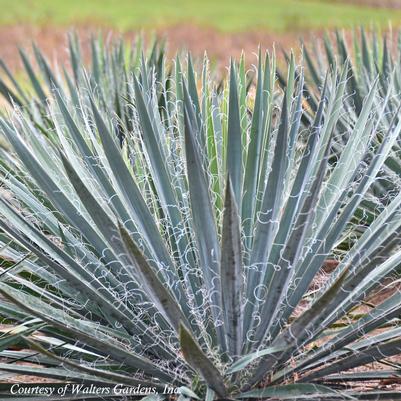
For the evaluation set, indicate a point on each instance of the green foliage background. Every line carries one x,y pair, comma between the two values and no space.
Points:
226,15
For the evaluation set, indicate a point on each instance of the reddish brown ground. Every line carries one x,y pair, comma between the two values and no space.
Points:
218,45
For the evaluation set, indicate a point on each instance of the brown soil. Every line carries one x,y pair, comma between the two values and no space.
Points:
220,46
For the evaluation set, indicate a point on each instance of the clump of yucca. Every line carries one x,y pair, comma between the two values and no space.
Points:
159,227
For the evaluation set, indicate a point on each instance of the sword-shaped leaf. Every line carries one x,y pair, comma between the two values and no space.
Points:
155,289
231,272
201,363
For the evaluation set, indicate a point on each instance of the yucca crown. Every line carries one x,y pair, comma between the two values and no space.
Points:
163,228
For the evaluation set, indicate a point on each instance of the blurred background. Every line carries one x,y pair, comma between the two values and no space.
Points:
223,28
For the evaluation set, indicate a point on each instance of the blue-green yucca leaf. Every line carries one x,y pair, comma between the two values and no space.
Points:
376,352
204,224
155,289
103,222
366,53
9,95
265,225
351,79
368,61
48,372
76,276
356,288
193,94
32,76
379,374
188,392
217,126
379,224
100,275
374,346
270,109
55,195
50,78
302,182
379,315
213,136
191,111
90,159
254,154
132,196
232,273
316,77
376,164
295,123
296,333
243,90
75,56
200,362
234,138
80,330
161,175
144,274
15,334
114,310
72,89
358,285
352,154
278,279
248,359
96,61
16,84
94,375
329,234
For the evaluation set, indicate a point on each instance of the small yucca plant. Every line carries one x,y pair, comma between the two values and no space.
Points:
160,229
369,56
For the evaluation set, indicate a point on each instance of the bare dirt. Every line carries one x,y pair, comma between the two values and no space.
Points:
220,46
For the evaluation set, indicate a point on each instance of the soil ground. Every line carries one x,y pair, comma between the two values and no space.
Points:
220,46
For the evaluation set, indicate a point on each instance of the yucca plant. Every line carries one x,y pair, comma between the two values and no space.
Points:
109,64
369,56
183,244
